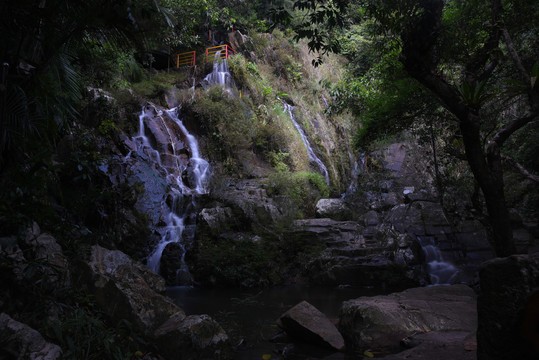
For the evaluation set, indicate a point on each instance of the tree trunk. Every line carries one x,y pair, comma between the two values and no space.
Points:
488,173
417,56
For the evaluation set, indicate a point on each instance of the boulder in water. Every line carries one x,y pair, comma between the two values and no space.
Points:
307,323
382,321
171,265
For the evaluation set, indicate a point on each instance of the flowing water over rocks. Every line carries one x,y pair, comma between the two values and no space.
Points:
172,155
220,74
310,152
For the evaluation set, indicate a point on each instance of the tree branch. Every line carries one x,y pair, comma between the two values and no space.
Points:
482,55
521,169
516,59
504,133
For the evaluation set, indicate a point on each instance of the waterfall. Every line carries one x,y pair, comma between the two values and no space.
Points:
220,74
310,151
174,154
440,271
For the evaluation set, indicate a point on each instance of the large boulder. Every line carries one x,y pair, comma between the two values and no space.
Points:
200,335
508,308
43,247
307,323
335,209
22,342
382,321
128,290
125,289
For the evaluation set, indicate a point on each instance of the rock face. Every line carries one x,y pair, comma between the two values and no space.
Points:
350,257
25,342
214,221
335,209
128,290
307,323
249,203
384,320
508,308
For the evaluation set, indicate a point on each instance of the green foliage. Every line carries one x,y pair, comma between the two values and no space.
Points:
384,100
225,120
279,161
303,188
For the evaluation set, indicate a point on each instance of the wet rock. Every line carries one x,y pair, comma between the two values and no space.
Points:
382,321
23,342
307,323
508,308
149,202
171,262
335,209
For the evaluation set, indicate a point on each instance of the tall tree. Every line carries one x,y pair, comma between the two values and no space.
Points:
462,51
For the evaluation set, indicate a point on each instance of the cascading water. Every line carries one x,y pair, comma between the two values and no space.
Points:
310,151
220,74
174,154
440,271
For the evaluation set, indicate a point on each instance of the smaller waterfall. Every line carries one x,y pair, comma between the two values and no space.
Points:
175,154
440,271
310,151
220,74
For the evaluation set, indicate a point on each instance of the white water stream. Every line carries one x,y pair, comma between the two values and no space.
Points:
177,158
220,73
310,151
440,271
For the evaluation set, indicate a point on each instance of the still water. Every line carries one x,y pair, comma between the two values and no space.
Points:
249,316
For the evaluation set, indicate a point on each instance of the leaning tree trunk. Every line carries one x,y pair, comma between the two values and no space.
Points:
488,172
419,39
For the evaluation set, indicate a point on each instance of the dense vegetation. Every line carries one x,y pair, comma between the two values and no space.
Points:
459,75
477,58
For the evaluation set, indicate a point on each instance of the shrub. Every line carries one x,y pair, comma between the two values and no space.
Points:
304,189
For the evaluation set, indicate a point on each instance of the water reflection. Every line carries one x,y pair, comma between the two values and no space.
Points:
249,316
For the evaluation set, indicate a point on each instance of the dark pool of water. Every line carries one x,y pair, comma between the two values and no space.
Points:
249,316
